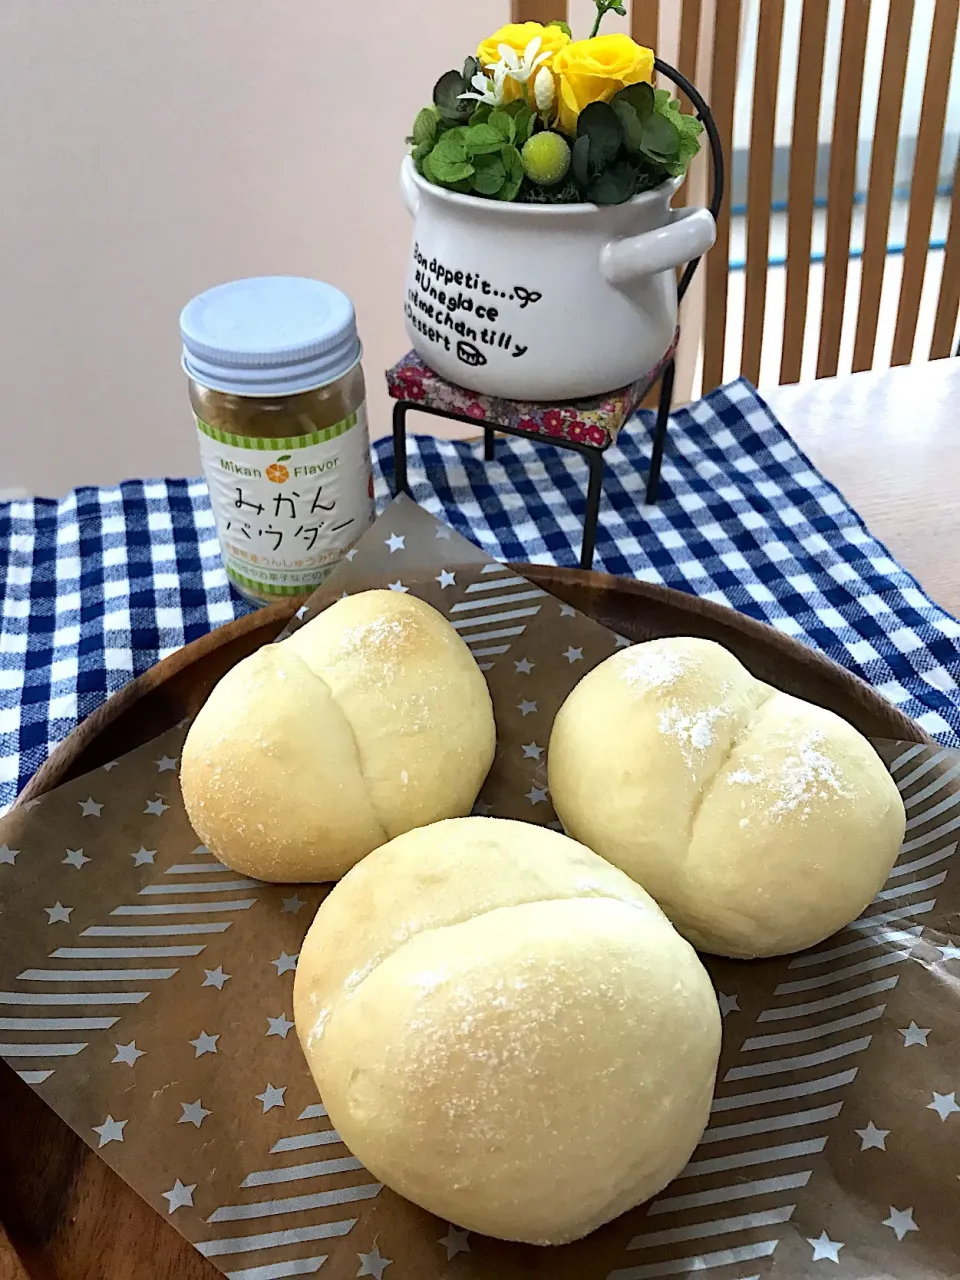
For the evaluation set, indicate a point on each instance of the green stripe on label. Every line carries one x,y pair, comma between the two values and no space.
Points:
272,589
278,444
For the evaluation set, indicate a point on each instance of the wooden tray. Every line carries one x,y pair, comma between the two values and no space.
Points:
66,1214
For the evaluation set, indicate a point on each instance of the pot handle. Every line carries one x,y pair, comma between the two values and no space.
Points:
408,188
688,234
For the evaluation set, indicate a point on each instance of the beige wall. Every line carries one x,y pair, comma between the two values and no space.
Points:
150,148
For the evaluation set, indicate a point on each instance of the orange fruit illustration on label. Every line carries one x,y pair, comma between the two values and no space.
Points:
277,472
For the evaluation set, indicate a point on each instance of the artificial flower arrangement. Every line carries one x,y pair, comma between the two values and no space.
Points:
542,118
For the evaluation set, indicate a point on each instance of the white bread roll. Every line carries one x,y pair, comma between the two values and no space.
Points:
760,823
506,1029
371,719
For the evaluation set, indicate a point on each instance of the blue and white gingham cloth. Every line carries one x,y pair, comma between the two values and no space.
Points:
100,585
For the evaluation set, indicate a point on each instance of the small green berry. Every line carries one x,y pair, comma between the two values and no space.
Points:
546,158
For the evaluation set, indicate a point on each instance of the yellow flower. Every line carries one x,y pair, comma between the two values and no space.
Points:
594,70
516,36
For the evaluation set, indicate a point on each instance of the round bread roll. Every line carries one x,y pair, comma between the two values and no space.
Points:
506,1029
760,823
372,719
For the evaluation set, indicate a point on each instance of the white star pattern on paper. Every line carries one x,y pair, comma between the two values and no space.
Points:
481,809
292,905
272,1097
556,825
166,764
524,666
285,963
110,1131
373,1263
944,1104
446,579
8,855
949,952
89,808
111,764
871,1136
901,1221
75,858
526,708
143,857
531,751
443,531
193,1113
279,1026
573,655
536,795
623,643
205,1044
58,913
127,1053
728,1004
179,1196
567,611
215,977
397,586
301,613
156,807
914,1035
824,1247
351,554
455,1241
30,804
394,542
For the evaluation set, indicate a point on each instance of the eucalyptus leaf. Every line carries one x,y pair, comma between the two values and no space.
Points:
641,97
525,120
630,124
614,185
661,138
489,175
425,127
482,139
446,97
505,125
598,122
580,162
513,166
471,68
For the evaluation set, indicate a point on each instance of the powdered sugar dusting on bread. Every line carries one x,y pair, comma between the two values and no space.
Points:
807,775
652,666
693,730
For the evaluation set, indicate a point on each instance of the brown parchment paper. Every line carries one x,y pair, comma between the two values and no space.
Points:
145,994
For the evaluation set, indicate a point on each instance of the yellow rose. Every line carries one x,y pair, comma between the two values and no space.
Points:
516,36
594,70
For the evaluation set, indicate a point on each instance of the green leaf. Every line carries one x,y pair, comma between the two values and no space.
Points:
425,126
446,97
470,68
453,145
558,22
513,166
449,173
525,120
505,125
580,163
420,153
613,186
482,140
661,97
640,96
661,138
489,175
630,124
482,113
598,122
449,161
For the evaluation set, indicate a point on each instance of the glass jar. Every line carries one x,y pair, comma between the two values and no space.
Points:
277,389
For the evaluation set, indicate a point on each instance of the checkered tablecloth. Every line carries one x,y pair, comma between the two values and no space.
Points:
98,586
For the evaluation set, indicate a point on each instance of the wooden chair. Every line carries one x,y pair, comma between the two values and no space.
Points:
709,52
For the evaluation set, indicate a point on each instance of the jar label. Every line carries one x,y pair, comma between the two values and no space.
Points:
288,508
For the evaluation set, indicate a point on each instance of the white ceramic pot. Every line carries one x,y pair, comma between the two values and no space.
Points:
545,302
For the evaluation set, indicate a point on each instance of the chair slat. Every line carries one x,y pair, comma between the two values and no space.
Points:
801,190
645,22
948,305
880,189
760,182
842,182
723,85
926,170
538,10
688,49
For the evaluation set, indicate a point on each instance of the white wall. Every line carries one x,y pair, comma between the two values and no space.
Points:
151,148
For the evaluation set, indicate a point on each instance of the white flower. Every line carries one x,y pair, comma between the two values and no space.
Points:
488,90
544,90
520,67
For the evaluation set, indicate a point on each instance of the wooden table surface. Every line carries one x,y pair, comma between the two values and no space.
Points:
890,442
